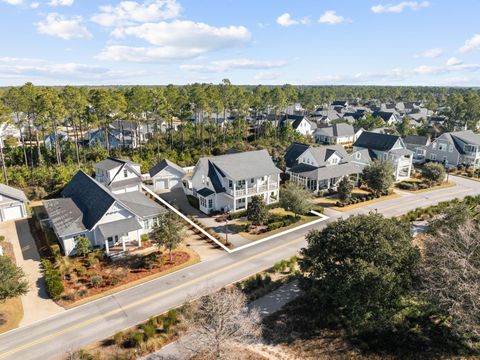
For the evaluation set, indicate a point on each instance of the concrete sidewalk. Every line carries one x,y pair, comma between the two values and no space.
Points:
36,303
266,305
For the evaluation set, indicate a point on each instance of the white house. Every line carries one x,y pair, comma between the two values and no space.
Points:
118,175
228,182
387,147
12,203
299,123
110,221
166,175
340,133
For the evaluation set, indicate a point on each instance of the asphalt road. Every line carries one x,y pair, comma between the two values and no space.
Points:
53,337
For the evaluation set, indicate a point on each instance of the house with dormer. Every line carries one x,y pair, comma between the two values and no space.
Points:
387,147
110,221
228,182
322,167
119,175
454,149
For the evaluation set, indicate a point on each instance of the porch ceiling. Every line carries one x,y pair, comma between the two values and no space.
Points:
119,227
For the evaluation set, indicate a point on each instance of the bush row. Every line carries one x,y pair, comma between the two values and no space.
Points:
53,279
359,199
413,185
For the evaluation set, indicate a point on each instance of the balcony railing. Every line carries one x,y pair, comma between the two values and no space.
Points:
255,190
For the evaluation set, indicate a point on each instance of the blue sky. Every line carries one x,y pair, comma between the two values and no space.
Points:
392,42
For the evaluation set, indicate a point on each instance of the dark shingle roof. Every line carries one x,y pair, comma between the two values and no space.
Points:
205,192
162,164
375,141
111,163
293,152
65,216
416,140
139,204
92,198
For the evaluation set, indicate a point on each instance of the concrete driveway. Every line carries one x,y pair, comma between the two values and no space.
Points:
36,304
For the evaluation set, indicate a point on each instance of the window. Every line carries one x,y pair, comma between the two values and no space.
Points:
252,181
450,148
145,224
434,145
210,203
358,155
442,147
125,173
445,161
433,157
230,184
385,156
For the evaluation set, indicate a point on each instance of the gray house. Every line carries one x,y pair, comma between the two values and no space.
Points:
455,148
387,147
341,133
110,221
418,144
166,175
321,168
12,203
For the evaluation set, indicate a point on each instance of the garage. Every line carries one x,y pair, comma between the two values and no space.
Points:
166,175
12,213
161,184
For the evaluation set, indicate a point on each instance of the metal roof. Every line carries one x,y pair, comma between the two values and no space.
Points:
65,216
13,193
119,227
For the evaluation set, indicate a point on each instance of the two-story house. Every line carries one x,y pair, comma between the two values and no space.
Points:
228,182
118,175
387,147
110,221
299,123
323,167
455,148
340,133
418,144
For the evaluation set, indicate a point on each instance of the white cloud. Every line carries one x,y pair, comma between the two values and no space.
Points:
13,2
263,76
175,40
398,8
330,17
453,61
130,12
63,27
61,2
35,5
286,20
471,44
430,53
234,64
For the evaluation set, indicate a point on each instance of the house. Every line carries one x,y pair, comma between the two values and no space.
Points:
418,144
455,148
61,136
116,138
387,147
228,182
12,203
340,133
166,175
110,221
322,168
389,117
120,176
8,129
300,123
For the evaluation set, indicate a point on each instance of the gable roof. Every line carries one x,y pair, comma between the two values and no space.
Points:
385,115
13,193
416,140
162,164
243,165
467,136
295,120
111,163
338,130
376,141
65,216
321,154
293,152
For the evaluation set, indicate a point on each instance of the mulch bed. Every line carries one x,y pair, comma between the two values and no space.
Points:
130,271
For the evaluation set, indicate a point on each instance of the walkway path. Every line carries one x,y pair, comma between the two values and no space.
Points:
36,304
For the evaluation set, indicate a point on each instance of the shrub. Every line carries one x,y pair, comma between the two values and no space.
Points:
81,270
173,315
267,280
119,338
167,324
53,280
137,339
2,238
149,331
274,226
144,237
96,280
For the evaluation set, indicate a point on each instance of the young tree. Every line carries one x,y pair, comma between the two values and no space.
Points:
450,273
433,172
344,189
257,212
218,322
294,198
169,232
378,176
12,280
82,246
358,269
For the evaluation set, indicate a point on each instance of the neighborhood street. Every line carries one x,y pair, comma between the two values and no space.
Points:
72,329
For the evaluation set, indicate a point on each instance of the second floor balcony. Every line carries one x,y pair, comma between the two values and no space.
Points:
247,190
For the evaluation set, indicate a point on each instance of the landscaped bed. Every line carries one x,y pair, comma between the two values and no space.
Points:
11,311
87,278
419,185
359,197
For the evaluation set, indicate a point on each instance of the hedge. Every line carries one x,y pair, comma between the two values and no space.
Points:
53,280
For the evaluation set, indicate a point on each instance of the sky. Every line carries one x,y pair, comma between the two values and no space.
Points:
301,42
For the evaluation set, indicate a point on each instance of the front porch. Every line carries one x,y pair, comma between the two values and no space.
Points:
121,236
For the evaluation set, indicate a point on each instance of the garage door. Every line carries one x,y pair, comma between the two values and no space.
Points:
161,184
173,183
12,213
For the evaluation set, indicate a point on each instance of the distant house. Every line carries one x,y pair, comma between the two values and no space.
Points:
120,176
8,129
321,168
299,123
389,117
340,103
340,133
110,221
455,148
228,182
61,136
387,147
12,203
418,144
166,175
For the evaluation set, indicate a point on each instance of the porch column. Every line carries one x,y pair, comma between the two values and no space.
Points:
123,244
139,239
317,186
107,250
